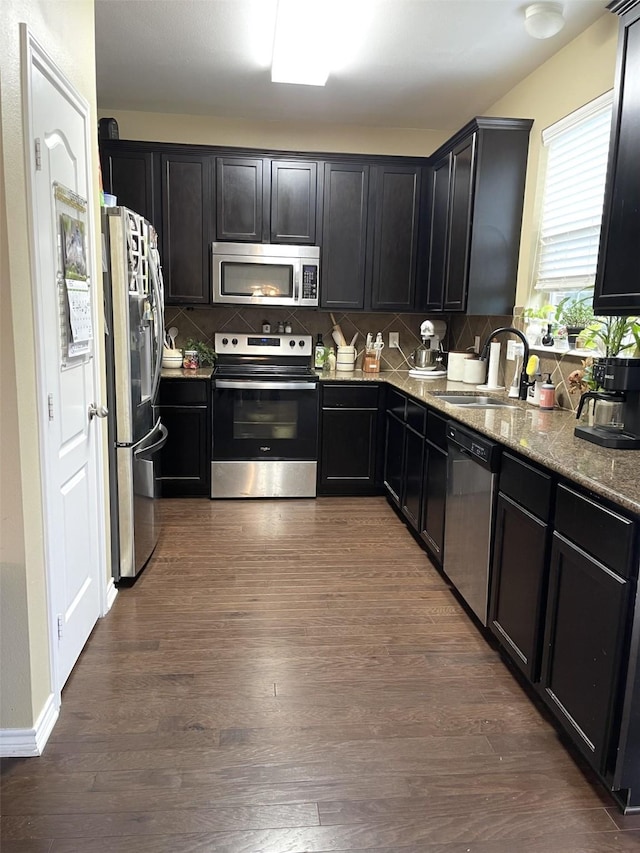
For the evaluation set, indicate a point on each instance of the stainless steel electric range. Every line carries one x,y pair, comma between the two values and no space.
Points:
265,417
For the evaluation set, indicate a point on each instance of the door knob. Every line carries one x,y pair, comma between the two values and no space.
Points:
96,411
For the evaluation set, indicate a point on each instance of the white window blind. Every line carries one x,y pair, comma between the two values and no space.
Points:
577,150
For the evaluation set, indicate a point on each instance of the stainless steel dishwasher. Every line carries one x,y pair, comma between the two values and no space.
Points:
472,467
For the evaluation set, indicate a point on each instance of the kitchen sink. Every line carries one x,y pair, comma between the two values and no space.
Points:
475,401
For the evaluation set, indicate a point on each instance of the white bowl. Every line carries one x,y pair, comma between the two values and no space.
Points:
172,361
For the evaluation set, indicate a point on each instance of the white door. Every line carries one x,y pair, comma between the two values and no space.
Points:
58,135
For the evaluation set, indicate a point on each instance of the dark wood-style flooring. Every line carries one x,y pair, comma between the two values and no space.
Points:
296,677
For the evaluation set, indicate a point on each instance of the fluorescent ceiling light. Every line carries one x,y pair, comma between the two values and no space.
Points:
316,37
543,20
300,46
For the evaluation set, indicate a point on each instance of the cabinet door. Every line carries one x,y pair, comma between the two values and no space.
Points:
396,190
461,199
617,288
186,231
344,234
394,458
348,451
129,175
185,460
293,202
240,199
413,477
434,500
518,583
438,233
586,620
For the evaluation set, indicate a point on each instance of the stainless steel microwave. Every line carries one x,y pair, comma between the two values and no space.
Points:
265,274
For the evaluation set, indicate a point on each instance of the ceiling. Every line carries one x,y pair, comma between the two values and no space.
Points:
429,64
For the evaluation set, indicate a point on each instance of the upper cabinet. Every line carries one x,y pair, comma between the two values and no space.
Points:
370,232
475,198
131,174
260,200
617,289
186,227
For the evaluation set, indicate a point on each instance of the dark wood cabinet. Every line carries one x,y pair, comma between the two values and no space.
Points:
349,444
434,491
396,197
394,458
476,192
130,175
344,236
186,228
185,460
404,455
520,562
240,199
370,236
294,201
617,289
586,623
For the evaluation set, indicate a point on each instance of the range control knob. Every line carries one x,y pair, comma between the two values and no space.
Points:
300,343
234,341
225,341
292,343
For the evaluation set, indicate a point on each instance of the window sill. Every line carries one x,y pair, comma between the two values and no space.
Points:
573,353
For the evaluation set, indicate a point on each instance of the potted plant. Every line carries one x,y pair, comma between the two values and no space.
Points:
536,318
614,335
575,313
206,354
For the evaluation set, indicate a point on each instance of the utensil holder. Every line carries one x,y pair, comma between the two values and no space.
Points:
346,358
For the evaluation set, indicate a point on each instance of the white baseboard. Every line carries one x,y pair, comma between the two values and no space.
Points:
23,743
110,597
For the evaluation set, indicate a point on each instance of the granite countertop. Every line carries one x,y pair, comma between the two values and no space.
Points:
544,437
182,373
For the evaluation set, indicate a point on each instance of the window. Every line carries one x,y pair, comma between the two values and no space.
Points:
576,166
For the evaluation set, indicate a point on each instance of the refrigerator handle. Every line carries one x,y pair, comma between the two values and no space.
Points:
159,326
150,449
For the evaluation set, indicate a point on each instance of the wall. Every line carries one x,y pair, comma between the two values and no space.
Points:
65,28
577,74
212,130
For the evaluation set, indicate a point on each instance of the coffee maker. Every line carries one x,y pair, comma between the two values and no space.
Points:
620,380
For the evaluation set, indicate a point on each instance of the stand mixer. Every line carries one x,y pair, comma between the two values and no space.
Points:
427,358
620,379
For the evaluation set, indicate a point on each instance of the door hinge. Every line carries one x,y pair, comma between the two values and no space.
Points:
38,156
50,406
60,626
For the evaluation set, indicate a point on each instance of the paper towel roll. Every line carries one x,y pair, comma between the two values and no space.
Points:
494,364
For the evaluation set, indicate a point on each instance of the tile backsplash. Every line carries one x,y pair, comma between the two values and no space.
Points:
202,323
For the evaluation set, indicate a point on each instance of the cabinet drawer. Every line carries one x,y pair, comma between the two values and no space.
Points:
180,392
606,535
437,430
396,403
416,416
528,486
350,396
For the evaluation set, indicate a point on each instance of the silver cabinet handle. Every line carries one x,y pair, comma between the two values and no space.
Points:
96,411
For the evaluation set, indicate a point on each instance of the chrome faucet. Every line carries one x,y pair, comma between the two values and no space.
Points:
524,381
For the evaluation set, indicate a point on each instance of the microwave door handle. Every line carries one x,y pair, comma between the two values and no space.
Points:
296,284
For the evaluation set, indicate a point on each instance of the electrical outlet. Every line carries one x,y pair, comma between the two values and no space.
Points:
394,340
476,343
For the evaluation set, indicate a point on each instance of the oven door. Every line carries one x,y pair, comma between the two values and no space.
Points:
265,438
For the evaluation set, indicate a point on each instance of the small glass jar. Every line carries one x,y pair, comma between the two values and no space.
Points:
190,359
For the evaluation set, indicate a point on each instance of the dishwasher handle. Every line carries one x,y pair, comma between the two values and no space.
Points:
479,448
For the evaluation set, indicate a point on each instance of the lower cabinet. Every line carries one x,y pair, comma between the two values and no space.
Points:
587,623
520,560
434,490
349,430
185,460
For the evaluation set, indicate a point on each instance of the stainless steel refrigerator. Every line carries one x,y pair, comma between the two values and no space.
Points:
134,315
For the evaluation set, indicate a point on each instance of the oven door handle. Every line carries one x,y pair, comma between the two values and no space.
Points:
252,385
